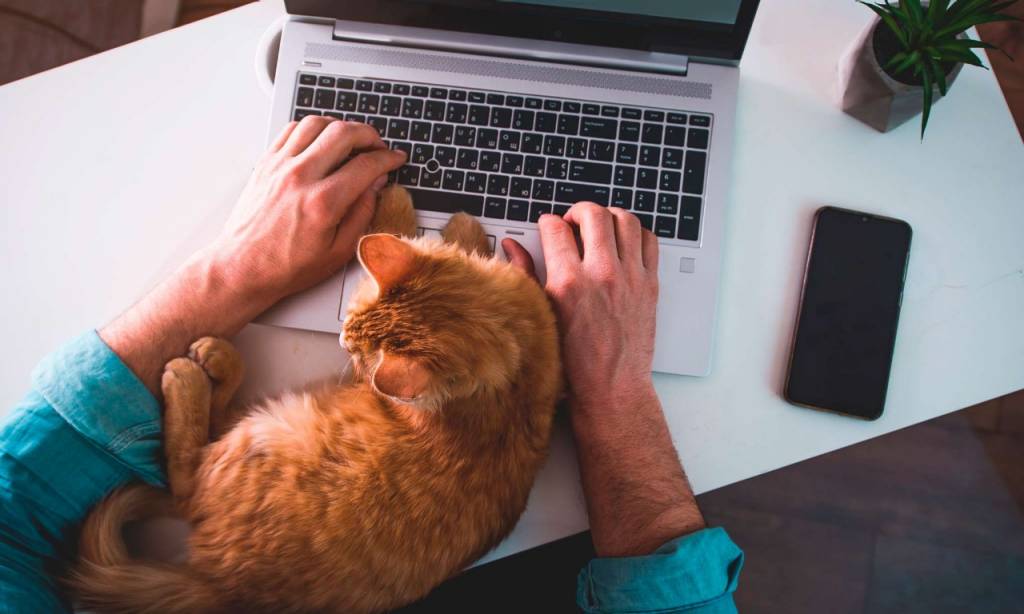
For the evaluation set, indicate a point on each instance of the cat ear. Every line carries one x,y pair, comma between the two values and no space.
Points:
400,377
386,258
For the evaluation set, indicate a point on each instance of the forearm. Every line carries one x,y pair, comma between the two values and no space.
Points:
637,494
201,298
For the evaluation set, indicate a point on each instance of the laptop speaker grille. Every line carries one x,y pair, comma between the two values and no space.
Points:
483,67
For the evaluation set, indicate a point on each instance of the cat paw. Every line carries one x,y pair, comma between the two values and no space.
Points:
218,358
183,377
465,231
395,213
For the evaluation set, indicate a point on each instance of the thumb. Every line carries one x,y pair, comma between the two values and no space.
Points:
354,224
519,257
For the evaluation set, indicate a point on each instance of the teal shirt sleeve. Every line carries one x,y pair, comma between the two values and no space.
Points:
696,573
87,426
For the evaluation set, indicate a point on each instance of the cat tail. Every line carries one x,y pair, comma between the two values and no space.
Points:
107,579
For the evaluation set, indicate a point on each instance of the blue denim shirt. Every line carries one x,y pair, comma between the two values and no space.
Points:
89,425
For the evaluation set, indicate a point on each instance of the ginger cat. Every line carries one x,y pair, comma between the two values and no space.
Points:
357,497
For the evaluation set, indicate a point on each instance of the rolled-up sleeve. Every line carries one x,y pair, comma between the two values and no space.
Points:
694,573
87,426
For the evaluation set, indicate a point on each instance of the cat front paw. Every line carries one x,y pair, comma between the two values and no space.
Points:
395,213
218,358
183,377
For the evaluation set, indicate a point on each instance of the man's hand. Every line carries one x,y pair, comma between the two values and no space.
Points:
296,223
299,217
606,297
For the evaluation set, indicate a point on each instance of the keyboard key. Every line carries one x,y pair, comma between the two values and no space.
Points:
509,140
545,122
591,172
518,210
672,158
603,151
379,123
654,116
571,107
479,115
576,148
560,209
689,218
631,113
494,207
557,169
552,105
486,138
345,84
442,134
409,175
534,103
668,204
324,99
554,145
307,79
445,155
364,86
420,91
599,128
622,198
438,92
421,153
514,101
400,89
591,109
382,87
467,159
607,111
512,164
476,183
650,155
355,117
465,136
651,133
347,101
521,187
676,118
629,131
703,121
430,179
398,129
644,201
477,97
412,108
568,124
403,146
665,227
391,106
456,113
693,171
522,120
447,202
420,131
304,97
453,180
646,220
647,178
625,175
433,110
543,189
501,118
490,161
670,181
334,115
497,185
539,209
300,113
697,138
495,99
456,94
575,192
532,143
626,153
675,136
534,166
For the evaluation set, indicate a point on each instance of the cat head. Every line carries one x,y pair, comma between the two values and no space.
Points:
432,323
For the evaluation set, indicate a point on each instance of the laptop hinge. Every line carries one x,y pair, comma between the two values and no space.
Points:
507,47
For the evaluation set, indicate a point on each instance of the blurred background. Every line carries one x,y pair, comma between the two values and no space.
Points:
929,519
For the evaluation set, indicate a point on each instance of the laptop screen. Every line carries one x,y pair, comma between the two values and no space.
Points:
713,29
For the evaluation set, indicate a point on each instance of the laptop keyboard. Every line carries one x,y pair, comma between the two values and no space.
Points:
505,156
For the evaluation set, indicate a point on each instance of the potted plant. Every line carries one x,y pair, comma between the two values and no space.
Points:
909,55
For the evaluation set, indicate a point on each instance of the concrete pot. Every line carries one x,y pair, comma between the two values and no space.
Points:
868,93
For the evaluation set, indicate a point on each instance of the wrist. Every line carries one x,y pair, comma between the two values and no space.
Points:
225,288
605,402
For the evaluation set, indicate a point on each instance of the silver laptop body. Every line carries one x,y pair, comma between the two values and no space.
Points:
600,86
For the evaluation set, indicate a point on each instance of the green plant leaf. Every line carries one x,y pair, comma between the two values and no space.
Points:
939,74
914,9
927,109
888,20
963,55
936,10
911,58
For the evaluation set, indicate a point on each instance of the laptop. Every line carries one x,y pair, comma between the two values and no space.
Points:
512,109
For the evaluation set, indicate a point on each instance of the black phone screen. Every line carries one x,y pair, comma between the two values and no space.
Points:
846,327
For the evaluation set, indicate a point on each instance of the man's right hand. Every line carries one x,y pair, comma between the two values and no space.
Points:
605,297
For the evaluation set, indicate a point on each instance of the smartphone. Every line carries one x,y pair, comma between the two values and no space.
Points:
849,307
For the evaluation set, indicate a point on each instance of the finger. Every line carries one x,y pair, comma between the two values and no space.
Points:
304,133
558,243
597,230
354,225
282,137
627,236
518,256
335,143
345,186
650,250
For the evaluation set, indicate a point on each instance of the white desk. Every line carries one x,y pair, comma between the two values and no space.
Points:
114,168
